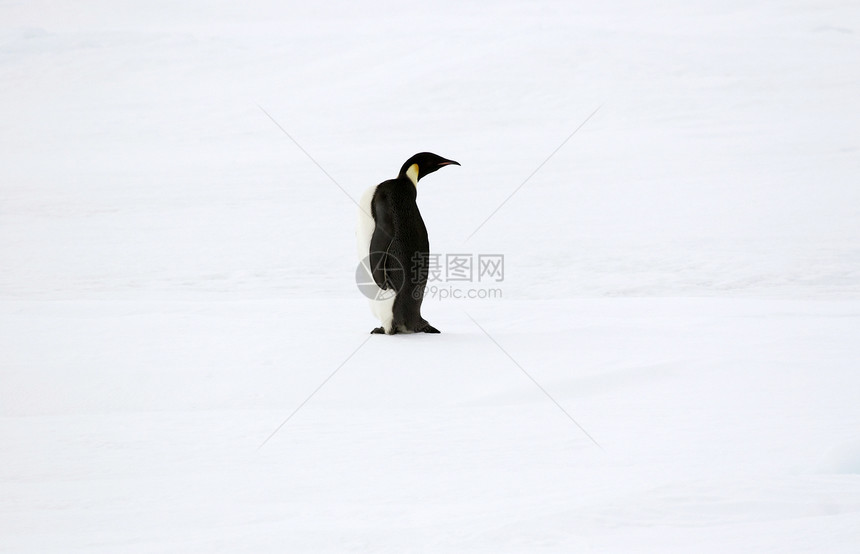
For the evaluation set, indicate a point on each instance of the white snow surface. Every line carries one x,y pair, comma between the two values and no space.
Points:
682,277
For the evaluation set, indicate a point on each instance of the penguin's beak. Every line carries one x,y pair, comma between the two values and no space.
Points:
448,162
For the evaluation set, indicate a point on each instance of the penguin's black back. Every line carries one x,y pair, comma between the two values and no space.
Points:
399,249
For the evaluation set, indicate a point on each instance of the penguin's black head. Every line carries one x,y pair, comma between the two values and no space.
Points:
423,164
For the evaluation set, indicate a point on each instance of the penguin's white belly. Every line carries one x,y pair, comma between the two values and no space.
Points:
383,306
366,225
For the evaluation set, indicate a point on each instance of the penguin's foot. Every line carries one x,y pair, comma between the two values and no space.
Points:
378,331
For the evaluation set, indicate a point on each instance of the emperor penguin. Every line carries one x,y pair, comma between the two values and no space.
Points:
394,249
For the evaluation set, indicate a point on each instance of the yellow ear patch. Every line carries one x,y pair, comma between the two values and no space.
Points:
412,173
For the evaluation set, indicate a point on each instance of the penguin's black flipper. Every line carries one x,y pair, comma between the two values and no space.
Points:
382,264
377,267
